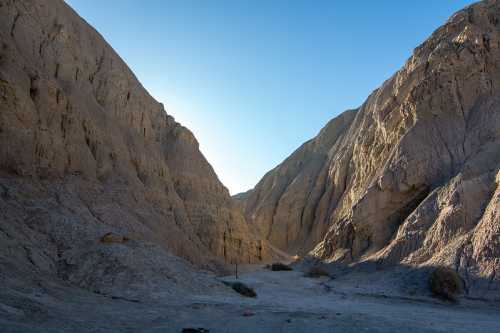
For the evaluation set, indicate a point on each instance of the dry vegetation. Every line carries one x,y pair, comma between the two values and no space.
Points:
113,238
317,272
446,283
242,289
278,266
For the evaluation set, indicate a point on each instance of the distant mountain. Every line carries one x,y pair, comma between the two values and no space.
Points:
242,195
412,176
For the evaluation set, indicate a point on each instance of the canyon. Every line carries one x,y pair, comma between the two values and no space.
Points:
111,219
412,176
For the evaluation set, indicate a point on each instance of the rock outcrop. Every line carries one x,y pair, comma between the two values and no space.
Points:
86,151
412,176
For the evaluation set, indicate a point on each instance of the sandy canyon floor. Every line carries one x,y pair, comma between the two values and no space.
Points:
286,302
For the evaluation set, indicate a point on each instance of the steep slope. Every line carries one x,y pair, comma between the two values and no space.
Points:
413,176
283,205
85,150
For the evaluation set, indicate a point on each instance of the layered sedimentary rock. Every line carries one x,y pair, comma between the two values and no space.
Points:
85,150
412,176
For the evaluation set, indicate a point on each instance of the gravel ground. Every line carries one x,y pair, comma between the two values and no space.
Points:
286,302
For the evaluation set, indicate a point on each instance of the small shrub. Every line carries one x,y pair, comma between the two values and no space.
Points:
446,283
278,266
317,272
113,238
242,289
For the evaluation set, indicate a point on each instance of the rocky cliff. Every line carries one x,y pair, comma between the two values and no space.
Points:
412,176
86,151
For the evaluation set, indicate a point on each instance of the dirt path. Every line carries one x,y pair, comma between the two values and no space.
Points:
290,302
286,302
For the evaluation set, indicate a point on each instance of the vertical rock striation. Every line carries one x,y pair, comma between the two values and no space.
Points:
85,150
410,177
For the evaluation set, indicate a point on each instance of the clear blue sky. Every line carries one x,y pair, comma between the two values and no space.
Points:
255,79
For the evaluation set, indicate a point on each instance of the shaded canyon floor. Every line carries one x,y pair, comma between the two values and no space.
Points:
386,301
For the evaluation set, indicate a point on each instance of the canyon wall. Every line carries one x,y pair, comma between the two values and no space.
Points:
86,151
410,177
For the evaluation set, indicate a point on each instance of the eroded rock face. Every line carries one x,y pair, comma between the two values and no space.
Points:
85,151
284,203
412,176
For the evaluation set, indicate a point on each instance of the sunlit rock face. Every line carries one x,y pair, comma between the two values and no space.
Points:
412,176
85,150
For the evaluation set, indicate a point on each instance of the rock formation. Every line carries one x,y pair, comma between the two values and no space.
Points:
412,176
86,151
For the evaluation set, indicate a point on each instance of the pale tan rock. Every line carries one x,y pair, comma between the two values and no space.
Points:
411,179
85,151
